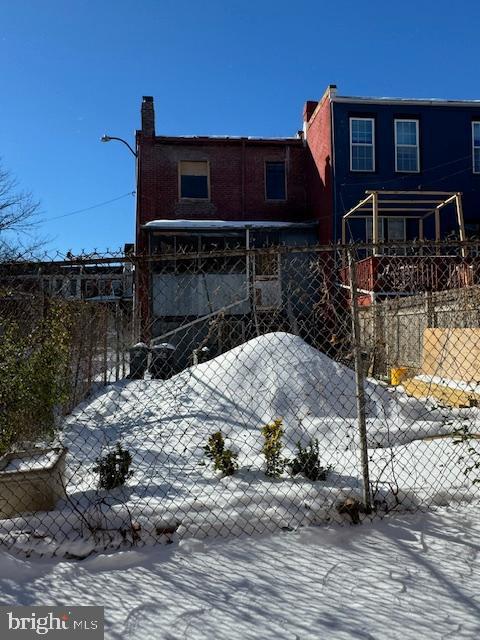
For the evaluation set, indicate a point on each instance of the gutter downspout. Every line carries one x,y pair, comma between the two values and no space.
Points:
247,255
243,180
334,182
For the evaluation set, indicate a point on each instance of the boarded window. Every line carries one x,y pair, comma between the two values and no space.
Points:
194,180
275,185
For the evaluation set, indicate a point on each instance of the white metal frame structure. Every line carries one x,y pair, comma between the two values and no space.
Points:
417,205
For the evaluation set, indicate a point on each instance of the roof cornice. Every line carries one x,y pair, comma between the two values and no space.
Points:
434,102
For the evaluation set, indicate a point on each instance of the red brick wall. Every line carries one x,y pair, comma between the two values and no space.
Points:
319,167
237,184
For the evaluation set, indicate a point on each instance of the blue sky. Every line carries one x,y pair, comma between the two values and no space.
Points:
73,70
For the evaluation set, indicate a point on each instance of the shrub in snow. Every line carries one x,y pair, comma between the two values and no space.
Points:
272,448
307,461
224,460
34,374
114,468
351,507
471,453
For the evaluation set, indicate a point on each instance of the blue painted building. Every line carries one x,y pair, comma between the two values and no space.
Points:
358,144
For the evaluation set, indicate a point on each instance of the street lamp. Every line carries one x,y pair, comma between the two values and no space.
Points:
106,138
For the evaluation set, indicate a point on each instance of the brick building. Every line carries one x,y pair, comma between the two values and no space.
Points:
203,194
217,178
348,145
198,194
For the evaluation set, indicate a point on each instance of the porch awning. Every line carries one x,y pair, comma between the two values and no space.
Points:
226,225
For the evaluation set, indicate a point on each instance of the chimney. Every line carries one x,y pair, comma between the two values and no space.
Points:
148,116
332,90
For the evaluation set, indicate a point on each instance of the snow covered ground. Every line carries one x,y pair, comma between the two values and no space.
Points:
165,425
406,577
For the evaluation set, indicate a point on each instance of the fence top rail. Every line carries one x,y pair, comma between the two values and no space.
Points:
318,249
119,261
65,262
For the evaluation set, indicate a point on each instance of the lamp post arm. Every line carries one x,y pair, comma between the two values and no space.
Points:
108,138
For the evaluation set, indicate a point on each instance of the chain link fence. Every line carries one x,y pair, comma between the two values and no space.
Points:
148,398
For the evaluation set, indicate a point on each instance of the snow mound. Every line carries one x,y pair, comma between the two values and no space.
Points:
165,426
276,375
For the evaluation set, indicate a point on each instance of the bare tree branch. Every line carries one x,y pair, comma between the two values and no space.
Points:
19,212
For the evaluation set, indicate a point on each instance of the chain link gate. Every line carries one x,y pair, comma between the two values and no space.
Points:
148,398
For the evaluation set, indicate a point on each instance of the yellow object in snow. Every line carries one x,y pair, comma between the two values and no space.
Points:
444,395
398,375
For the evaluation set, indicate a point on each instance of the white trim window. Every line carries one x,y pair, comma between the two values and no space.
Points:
391,230
476,146
407,152
362,144
369,230
396,229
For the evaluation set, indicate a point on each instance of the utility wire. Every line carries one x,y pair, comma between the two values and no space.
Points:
402,178
365,182
94,206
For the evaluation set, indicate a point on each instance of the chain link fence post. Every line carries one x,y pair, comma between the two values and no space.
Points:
359,384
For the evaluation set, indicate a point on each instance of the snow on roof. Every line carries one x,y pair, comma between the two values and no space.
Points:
224,224
228,137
